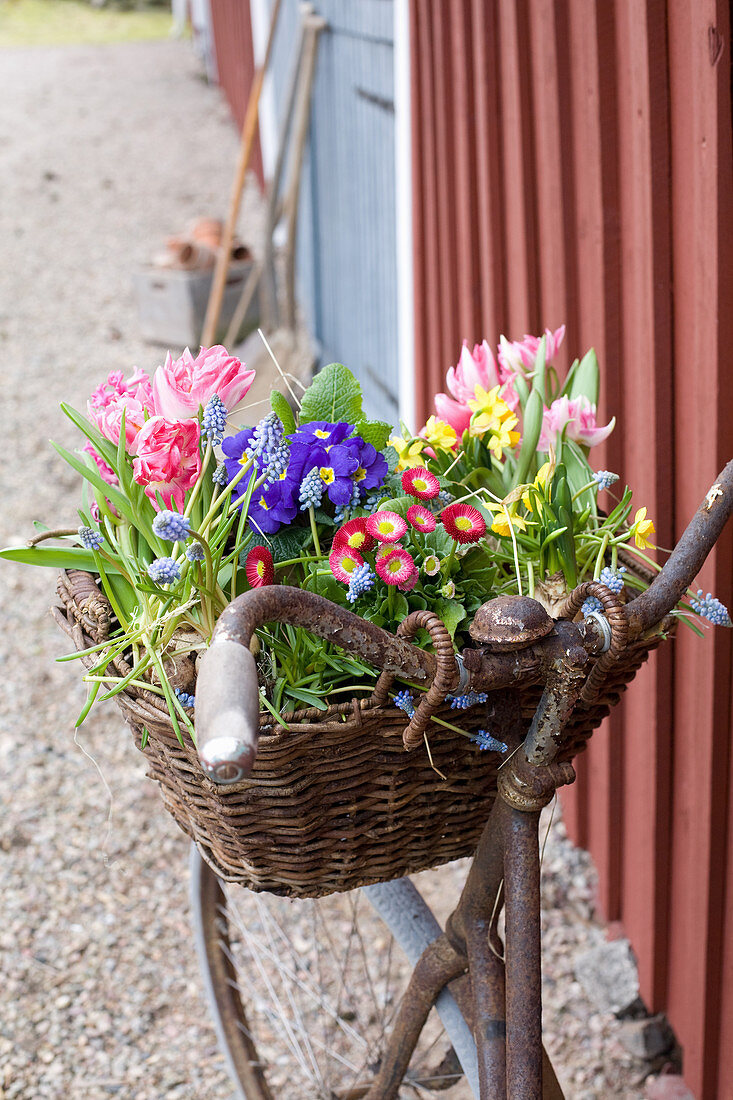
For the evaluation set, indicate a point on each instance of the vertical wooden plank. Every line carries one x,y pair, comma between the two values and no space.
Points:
235,63
443,120
426,250
518,170
553,180
464,169
643,114
489,243
702,221
590,83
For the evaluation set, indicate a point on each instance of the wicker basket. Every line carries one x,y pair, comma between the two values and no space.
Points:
335,802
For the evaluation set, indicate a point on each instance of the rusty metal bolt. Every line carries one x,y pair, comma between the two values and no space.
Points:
510,622
529,787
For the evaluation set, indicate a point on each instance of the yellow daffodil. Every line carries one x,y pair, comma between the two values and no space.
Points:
544,477
641,530
505,520
410,454
439,434
489,411
502,436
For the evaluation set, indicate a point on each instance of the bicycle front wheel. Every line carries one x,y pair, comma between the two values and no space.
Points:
303,992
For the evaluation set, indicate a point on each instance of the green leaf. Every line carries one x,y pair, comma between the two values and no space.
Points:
286,544
334,395
376,432
392,458
397,504
452,612
586,379
54,557
280,406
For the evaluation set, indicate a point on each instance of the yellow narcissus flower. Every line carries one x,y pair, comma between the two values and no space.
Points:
439,434
544,477
410,454
489,411
505,520
502,436
641,530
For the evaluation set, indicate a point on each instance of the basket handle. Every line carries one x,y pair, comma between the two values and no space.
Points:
227,695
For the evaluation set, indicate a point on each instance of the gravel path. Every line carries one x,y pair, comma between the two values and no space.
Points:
105,151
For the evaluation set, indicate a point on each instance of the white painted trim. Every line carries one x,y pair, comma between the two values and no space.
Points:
403,214
260,15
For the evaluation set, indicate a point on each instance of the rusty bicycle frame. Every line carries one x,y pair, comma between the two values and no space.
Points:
497,986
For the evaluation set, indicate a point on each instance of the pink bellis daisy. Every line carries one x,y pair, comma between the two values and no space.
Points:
354,534
420,483
421,519
259,567
386,526
396,567
343,561
463,522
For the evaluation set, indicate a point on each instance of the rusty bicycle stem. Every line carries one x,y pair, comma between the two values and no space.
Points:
227,695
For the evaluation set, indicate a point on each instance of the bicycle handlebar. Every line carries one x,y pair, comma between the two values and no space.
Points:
227,693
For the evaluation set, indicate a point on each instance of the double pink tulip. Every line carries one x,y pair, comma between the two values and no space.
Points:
577,418
116,396
183,385
167,459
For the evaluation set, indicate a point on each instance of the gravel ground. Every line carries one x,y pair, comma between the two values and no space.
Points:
104,152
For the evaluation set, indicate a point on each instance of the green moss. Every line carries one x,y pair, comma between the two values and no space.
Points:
67,22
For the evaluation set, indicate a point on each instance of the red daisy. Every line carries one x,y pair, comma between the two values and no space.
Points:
259,567
386,526
396,567
420,483
421,519
343,561
354,534
463,522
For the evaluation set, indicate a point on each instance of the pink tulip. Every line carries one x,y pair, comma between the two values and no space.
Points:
476,368
577,418
519,356
167,459
453,413
107,402
182,386
106,471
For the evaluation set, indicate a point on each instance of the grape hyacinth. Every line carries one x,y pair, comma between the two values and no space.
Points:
591,604
604,479
468,699
311,490
171,526
277,463
266,438
362,579
404,700
486,741
214,420
90,539
712,609
195,551
164,570
612,578
220,476
184,698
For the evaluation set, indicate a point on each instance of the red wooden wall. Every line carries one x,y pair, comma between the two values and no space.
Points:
232,28
572,163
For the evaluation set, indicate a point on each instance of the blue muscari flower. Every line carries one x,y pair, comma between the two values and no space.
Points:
443,499
90,539
164,570
362,579
277,462
404,700
195,551
220,475
612,578
267,438
468,699
712,609
590,605
311,490
214,420
184,698
604,479
484,740
171,526
372,502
